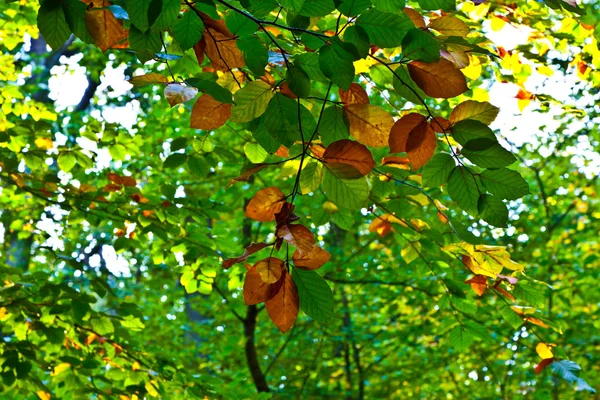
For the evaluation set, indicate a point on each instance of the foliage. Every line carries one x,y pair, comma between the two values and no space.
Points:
343,158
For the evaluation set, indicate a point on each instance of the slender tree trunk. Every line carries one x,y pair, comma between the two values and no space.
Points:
258,376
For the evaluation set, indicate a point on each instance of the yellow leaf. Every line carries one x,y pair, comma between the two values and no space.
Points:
44,143
479,111
151,389
363,65
43,395
544,351
60,368
3,313
450,26
497,24
369,124
148,79
473,71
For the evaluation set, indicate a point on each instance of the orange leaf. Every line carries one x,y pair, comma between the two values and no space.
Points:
285,90
543,364
396,162
113,177
383,224
369,124
413,134
354,95
256,290
104,28
440,125
524,95
222,50
209,114
317,150
128,181
314,259
348,159
298,236
265,204
505,293
251,249
284,306
112,187
478,284
415,17
537,322
440,79
270,269
282,151
138,198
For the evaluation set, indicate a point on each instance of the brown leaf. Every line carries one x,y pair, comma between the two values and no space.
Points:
369,124
285,90
354,95
128,181
314,259
415,17
542,365
148,79
138,198
418,141
256,290
298,236
401,129
284,306
251,249
270,269
440,79
104,28
440,125
265,204
209,114
505,293
348,159
199,49
246,173
478,284
222,50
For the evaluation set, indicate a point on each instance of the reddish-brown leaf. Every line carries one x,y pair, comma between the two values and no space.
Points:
298,236
383,224
440,125
209,114
369,124
505,293
222,51
138,198
348,159
265,203
284,306
251,249
418,141
270,269
478,284
415,17
246,173
542,365
199,49
314,259
256,290
354,95
396,162
401,129
104,28
285,90
440,79
317,150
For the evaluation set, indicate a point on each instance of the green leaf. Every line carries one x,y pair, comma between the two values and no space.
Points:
437,171
460,338
102,325
524,290
421,46
240,25
406,87
298,81
217,92
390,5
351,8
317,8
334,125
344,219
469,129
117,152
492,210
255,53
144,42
385,29
251,101
52,24
487,153
168,15
293,5
281,120
463,189
264,138
175,160
255,153
337,64
75,17
309,62
188,30
138,13
445,5
511,317
311,177
197,165
357,36
504,183
348,193
66,161
316,297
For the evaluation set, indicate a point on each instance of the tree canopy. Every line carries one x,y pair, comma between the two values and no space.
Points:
357,199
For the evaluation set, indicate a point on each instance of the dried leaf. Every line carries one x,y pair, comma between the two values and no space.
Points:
370,125
348,159
542,365
148,79
415,17
314,259
478,284
222,50
284,306
104,28
209,114
440,79
256,290
354,95
298,236
270,269
265,204
246,173
251,249
176,93
413,134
